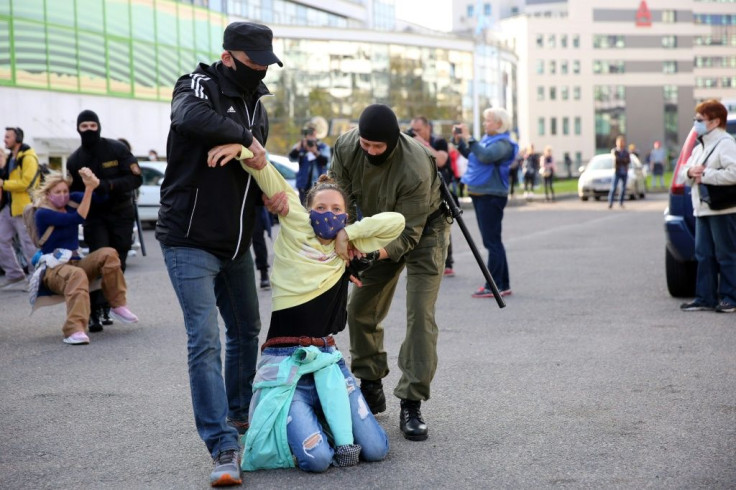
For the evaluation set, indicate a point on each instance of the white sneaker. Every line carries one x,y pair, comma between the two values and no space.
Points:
77,338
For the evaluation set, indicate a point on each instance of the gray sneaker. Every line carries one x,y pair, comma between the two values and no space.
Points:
695,306
7,282
227,469
725,307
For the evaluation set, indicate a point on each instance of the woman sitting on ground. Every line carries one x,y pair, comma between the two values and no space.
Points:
61,270
302,381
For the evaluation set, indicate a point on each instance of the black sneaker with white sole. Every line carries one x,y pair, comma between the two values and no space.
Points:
695,306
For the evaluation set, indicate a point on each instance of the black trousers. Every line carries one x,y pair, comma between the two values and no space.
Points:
114,229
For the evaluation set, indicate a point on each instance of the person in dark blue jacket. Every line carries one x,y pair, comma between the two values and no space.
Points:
487,178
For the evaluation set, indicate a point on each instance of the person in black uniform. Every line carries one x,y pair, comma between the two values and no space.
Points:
112,214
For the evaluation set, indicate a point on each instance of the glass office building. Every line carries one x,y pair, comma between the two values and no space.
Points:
121,58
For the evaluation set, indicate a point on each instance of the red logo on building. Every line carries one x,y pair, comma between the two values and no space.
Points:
643,15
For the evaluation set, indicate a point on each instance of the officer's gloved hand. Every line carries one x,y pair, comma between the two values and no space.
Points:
358,265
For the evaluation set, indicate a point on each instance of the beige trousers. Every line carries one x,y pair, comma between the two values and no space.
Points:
72,281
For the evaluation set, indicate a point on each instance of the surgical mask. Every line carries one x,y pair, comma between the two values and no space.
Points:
59,200
326,225
90,138
245,77
699,127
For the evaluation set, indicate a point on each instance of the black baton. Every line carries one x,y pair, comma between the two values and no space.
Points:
139,227
455,214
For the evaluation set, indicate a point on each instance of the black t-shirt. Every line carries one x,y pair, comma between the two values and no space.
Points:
324,315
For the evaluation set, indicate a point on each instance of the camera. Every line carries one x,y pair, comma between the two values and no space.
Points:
457,130
410,132
311,143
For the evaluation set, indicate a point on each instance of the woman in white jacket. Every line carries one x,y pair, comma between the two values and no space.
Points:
712,162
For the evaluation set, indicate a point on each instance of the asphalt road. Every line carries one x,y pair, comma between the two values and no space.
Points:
589,378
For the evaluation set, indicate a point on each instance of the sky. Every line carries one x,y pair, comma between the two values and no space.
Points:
435,14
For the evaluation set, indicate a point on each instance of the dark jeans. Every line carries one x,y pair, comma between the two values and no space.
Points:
489,212
616,179
205,285
715,251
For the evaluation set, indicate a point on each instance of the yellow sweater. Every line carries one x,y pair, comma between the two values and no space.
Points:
303,268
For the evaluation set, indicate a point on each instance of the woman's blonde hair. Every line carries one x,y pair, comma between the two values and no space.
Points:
50,181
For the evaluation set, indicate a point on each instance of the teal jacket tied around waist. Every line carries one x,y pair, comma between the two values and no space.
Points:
266,443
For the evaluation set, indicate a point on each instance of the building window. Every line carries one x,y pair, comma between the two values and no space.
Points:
563,41
669,67
550,40
540,126
487,9
576,41
578,130
669,42
671,138
669,16
610,115
565,126
553,126
553,93
602,66
540,93
540,67
563,67
552,67
469,11
706,82
608,41
576,92
540,40
728,82
576,67
565,92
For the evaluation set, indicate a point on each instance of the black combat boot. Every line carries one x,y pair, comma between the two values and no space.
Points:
106,320
265,282
373,394
94,320
411,422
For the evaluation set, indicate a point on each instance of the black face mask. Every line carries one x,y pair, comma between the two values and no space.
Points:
380,159
245,77
90,138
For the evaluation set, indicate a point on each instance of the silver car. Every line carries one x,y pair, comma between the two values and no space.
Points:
597,177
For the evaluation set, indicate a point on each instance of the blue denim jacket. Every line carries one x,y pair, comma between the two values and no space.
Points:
266,443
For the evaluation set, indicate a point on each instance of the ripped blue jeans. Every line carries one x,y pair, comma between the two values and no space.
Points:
309,440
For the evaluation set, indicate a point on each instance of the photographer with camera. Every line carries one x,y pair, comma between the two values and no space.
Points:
313,157
487,178
421,131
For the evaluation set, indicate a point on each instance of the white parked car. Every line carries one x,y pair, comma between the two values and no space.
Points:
286,168
149,193
596,178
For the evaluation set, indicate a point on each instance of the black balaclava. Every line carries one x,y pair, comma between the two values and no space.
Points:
378,123
89,138
244,76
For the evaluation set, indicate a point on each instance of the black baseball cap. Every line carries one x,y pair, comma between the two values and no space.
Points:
255,39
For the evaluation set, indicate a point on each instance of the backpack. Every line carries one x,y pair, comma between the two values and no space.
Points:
29,219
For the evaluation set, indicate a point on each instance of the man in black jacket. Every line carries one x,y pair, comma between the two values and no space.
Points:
112,215
205,225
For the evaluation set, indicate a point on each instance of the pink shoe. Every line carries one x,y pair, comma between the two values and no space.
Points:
77,338
123,314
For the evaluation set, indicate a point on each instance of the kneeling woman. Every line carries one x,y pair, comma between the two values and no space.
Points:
61,270
302,381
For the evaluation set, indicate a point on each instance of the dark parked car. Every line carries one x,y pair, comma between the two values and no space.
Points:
679,226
